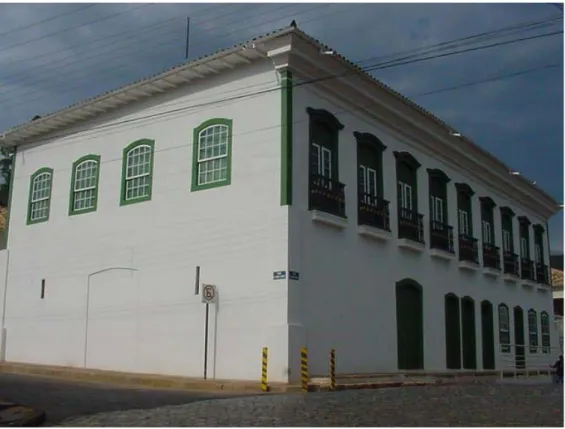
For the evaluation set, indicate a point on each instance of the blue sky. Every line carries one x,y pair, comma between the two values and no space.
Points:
93,48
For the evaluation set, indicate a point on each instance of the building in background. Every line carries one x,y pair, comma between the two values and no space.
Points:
557,285
328,210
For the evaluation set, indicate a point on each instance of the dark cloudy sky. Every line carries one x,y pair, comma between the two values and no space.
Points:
80,50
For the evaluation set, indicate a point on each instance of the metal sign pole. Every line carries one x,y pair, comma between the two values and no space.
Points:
206,341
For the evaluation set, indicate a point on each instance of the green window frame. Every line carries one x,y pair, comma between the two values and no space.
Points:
545,334
40,189
84,185
504,328
137,172
212,154
533,330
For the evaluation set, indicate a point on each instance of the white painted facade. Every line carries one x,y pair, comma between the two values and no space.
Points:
346,295
150,320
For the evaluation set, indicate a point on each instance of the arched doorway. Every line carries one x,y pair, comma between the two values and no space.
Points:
452,332
519,337
487,330
469,333
410,324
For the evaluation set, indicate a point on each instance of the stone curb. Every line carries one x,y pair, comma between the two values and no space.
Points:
141,380
379,385
15,415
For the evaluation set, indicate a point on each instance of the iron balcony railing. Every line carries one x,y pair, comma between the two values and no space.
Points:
511,263
373,211
542,274
527,269
410,225
327,195
491,256
468,249
441,236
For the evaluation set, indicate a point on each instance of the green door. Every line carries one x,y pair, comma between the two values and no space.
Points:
519,337
487,329
409,325
452,332
469,334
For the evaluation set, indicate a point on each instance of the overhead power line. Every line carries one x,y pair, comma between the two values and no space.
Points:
45,36
438,47
256,93
43,21
487,80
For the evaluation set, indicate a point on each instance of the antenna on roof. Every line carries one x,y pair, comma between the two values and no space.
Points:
187,37
293,24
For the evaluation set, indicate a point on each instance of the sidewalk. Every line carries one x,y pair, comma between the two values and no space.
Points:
14,415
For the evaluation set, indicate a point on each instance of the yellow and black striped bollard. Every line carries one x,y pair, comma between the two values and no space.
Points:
304,368
332,369
264,359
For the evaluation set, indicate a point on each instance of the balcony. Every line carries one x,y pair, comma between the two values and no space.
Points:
373,211
527,270
468,252
491,259
441,240
327,196
373,217
542,274
410,229
511,266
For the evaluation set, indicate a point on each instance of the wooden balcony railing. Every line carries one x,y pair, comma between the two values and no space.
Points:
410,225
468,249
491,256
441,236
373,211
327,195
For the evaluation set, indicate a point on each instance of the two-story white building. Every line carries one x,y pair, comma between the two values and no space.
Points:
329,211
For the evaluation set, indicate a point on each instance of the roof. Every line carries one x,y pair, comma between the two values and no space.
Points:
202,67
557,278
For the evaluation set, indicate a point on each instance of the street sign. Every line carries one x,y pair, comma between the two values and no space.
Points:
209,294
293,275
279,275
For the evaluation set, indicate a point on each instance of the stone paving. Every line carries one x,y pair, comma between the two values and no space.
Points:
498,404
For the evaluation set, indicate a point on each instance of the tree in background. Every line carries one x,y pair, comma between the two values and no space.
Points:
5,173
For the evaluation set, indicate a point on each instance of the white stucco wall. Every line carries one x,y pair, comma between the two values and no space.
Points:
150,321
345,298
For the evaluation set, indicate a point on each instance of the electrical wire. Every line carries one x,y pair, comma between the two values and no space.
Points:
7,48
389,64
81,79
25,27
122,58
487,80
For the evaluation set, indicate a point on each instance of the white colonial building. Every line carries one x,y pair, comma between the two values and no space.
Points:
329,211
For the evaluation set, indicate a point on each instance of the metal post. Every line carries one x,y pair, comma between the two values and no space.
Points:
304,368
206,341
264,360
332,369
187,37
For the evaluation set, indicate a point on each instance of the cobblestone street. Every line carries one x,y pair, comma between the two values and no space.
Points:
510,404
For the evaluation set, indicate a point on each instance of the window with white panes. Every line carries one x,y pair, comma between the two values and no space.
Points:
138,174
504,327
524,247
533,330
538,254
85,184
213,154
405,192
545,336
463,222
487,232
367,182
506,244
40,196
436,205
